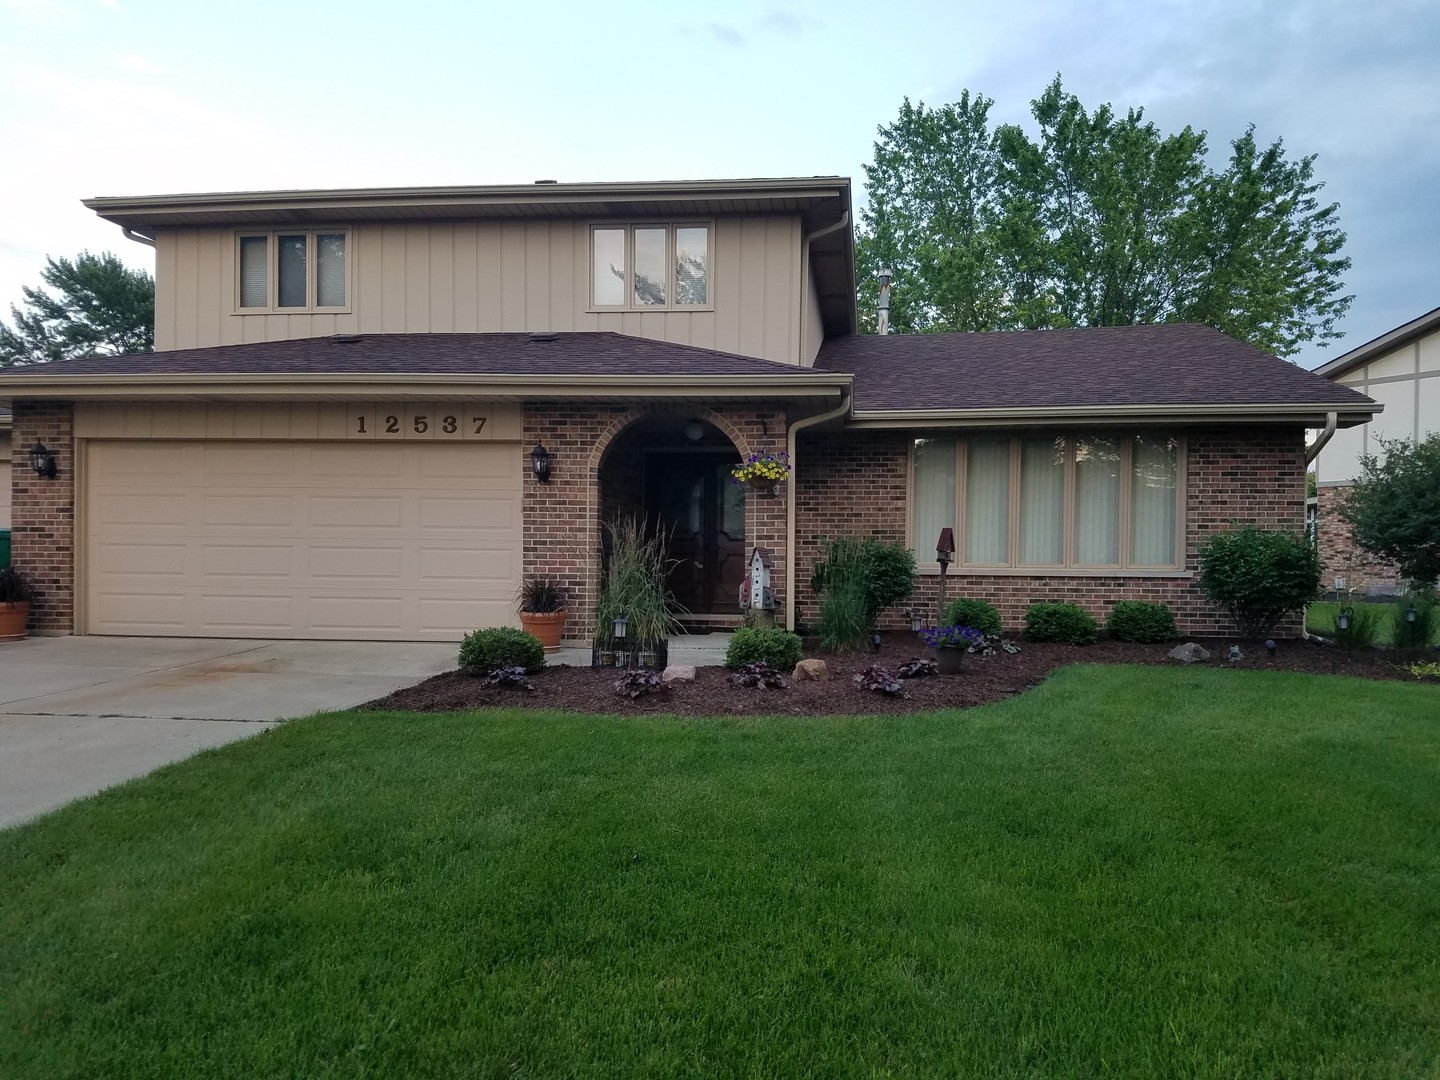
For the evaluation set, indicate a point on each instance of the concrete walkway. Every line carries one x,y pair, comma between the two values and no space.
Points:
79,714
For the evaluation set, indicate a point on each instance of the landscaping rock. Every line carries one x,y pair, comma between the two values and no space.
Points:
812,670
678,673
1189,653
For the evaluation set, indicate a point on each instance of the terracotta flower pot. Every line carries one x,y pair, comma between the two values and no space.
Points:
548,626
13,617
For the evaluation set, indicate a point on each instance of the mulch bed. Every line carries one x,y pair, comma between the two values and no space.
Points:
985,679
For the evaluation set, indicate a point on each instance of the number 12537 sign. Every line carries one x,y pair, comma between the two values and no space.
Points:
413,421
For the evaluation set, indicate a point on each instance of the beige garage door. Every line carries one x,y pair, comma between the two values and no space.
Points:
411,542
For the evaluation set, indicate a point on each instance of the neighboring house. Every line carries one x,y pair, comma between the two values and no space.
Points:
334,438
1401,371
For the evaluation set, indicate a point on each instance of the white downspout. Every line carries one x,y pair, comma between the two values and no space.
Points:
805,243
130,234
790,444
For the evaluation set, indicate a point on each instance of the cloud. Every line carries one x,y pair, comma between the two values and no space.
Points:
770,26
139,65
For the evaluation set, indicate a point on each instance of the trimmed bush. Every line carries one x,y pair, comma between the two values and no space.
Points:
778,648
962,611
1137,620
1259,576
1069,624
484,651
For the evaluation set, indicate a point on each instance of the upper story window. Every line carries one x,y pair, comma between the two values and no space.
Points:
1091,501
293,271
649,267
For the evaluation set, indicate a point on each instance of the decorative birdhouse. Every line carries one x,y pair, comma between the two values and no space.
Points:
755,591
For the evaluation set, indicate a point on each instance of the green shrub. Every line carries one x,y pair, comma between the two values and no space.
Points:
1137,620
1069,624
872,573
778,648
977,614
1364,627
843,622
483,651
1421,632
1259,576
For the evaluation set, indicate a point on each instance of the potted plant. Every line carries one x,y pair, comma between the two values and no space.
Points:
14,604
542,610
764,471
951,643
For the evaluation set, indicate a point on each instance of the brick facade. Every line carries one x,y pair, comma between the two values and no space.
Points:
562,533
854,482
42,514
1340,557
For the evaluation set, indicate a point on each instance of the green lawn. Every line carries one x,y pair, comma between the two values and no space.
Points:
1320,619
1128,872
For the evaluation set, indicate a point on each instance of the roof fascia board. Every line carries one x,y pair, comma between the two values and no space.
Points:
1384,343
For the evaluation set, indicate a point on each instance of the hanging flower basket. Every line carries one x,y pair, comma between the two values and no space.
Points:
764,471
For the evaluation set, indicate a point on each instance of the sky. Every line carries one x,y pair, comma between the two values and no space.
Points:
126,97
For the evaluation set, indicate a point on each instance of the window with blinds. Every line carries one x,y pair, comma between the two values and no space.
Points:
1085,501
650,267
293,271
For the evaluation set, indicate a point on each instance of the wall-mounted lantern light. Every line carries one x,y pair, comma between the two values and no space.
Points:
42,461
621,627
540,463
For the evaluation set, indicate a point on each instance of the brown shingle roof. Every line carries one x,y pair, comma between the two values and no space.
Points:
579,354
1167,364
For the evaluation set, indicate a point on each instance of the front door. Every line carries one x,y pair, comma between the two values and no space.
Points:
690,495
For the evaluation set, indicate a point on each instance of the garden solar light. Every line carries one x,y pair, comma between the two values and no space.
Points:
917,621
42,461
622,624
1342,620
875,641
1410,613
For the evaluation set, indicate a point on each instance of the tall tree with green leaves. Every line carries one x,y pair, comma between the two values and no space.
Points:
1394,507
1098,220
91,306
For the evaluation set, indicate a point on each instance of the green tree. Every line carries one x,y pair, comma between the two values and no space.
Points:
1394,507
1101,220
93,305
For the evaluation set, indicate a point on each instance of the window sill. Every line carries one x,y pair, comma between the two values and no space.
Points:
294,311
932,569
687,310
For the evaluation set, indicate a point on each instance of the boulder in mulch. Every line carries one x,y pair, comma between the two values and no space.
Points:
811,671
1189,653
678,673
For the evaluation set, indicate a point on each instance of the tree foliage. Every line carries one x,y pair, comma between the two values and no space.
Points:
1394,507
1102,220
93,305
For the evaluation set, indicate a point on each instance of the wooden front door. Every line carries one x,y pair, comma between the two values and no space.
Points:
690,496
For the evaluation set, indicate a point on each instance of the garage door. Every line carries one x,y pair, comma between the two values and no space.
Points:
411,542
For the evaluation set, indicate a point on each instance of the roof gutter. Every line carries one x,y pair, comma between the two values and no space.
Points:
412,385
1220,413
1313,451
790,443
131,234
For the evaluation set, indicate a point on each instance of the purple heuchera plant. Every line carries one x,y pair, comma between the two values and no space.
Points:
951,637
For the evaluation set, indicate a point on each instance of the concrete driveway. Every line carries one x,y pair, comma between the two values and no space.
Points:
80,714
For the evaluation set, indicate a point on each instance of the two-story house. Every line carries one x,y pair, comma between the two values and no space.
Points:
370,413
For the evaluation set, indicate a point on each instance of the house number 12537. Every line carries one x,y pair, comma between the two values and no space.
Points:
416,422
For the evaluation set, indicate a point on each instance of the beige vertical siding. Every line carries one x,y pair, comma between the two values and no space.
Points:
813,334
485,277
1406,380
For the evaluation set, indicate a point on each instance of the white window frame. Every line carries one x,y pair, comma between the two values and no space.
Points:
272,271
1068,567
670,227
